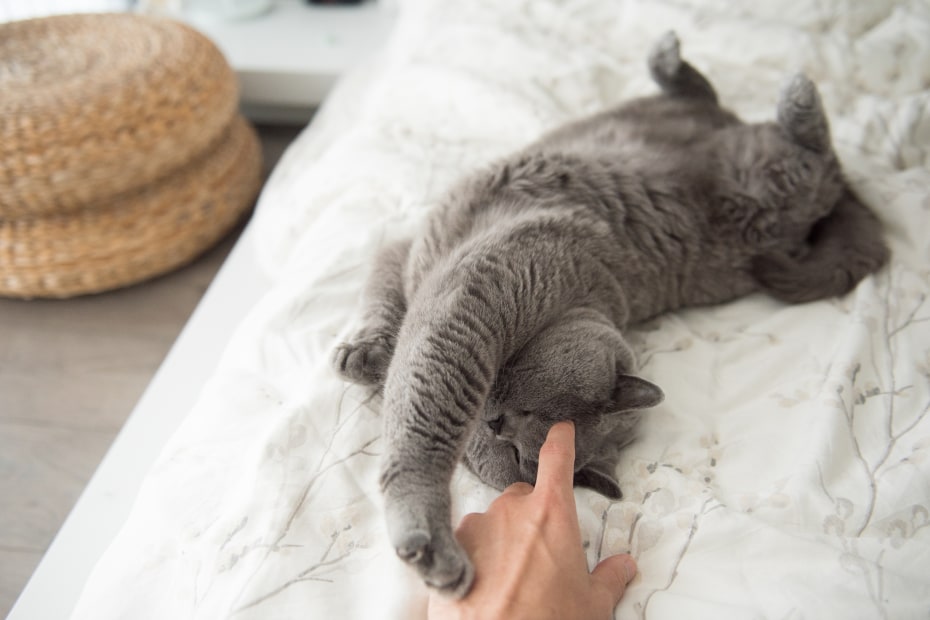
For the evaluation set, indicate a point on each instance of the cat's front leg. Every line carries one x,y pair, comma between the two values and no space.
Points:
433,398
418,514
425,435
364,357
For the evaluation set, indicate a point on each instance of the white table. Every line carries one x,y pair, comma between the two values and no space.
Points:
288,58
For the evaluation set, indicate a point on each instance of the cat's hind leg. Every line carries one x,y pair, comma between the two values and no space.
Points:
800,113
843,248
675,76
365,356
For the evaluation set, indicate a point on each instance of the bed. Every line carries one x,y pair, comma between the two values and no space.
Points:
787,474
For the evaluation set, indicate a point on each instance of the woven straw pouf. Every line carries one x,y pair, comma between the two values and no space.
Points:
122,154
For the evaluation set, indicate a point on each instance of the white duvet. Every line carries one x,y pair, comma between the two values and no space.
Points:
787,475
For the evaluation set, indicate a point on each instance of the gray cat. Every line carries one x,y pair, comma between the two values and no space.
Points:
506,313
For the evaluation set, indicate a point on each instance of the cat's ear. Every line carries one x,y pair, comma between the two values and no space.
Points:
598,479
801,116
632,393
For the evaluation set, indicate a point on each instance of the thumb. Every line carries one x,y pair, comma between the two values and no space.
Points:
613,574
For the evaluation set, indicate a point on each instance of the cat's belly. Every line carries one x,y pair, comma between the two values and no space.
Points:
715,286
674,291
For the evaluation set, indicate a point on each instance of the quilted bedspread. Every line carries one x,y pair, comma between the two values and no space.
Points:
787,474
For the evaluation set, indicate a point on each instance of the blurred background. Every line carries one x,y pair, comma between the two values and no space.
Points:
72,370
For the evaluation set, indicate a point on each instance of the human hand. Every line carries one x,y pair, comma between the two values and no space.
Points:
527,551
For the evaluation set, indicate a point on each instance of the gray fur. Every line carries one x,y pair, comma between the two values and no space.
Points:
506,314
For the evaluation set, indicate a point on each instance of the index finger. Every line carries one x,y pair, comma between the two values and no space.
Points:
557,460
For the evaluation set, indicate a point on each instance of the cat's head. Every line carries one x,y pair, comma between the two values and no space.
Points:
578,370
785,164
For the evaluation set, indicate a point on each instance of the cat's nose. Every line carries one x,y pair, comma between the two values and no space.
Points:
497,424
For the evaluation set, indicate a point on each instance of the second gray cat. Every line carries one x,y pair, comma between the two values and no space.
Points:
506,314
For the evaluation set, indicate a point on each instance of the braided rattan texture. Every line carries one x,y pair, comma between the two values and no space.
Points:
122,155
94,105
139,235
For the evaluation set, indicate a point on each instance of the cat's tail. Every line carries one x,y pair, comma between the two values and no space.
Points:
844,247
675,76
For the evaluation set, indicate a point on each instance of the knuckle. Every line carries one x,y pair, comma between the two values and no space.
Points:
469,521
519,488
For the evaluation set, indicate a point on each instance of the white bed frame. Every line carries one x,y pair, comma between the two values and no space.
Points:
288,59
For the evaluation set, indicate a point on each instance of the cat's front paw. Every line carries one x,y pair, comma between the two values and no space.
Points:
420,530
364,360
438,558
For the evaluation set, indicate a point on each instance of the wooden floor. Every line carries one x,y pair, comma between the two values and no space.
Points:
70,373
